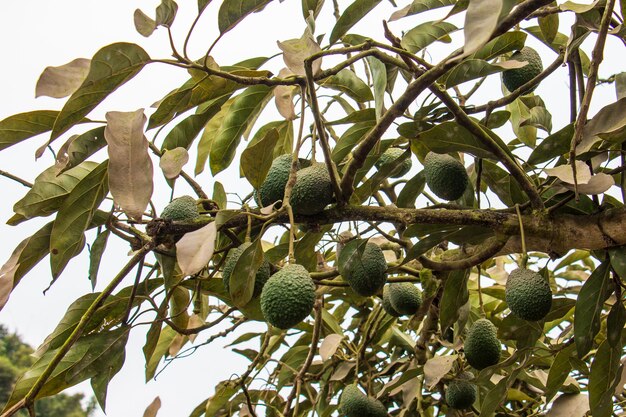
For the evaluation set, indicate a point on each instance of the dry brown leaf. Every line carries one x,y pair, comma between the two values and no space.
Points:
295,51
59,82
565,173
436,368
153,408
172,162
195,249
194,321
329,345
130,166
7,273
283,96
568,405
177,344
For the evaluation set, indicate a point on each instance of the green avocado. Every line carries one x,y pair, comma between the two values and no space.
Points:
313,190
354,403
405,297
365,275
461,392
288,297
389,157
445,176
528,294
273,188
261,276
517,77
387,303
181,209
482,347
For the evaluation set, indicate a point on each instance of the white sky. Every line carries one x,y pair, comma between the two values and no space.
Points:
37,34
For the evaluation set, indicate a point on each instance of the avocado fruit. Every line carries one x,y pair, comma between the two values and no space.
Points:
354,403
405,297
288,297
389,157
482,347
387,303
461,392
273,188
528,294
261,276
516,77
445,176
181,209
313,190
366,274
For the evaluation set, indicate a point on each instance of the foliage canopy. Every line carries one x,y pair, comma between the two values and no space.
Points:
546,198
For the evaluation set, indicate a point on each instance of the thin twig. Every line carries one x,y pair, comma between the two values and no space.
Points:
17,179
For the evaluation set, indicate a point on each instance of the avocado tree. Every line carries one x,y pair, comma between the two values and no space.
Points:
377,216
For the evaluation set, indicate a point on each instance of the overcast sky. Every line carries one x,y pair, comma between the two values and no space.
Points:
37,34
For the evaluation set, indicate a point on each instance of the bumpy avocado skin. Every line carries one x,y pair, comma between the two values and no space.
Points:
354,403
405,297
387,303
515,78
445,176
482,347
461,393
313,190
273,188
180,209
262,274
368,276
288,297
389,157
528,294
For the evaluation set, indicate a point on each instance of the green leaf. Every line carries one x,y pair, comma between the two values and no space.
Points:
348,82
589,305
211,131
67,237
353,13
95,256
470,69
481,19
549,26
19,127
351,254
78,148
166,12
452,137
455,295
497,119
111,67
257,158
603,378
49,190
202,4
615,325
618,260
314,6
423,35
185,132
540,118
165,338
240,116
244,274
233,11
350,138
505,43
110,364
411,190
496,395
285,136
379,79
559,371
223,392
219,195
419,6
553,146
502,184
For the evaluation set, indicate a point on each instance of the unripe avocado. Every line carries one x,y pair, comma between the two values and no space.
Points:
273,188
354,403
181,208
288,296
517,77
261,276
367,275
387,303
389,157
445,176
405,297
482,347
313,190
461,392
528,294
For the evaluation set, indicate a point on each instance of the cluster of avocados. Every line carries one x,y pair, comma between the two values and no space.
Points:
311,193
